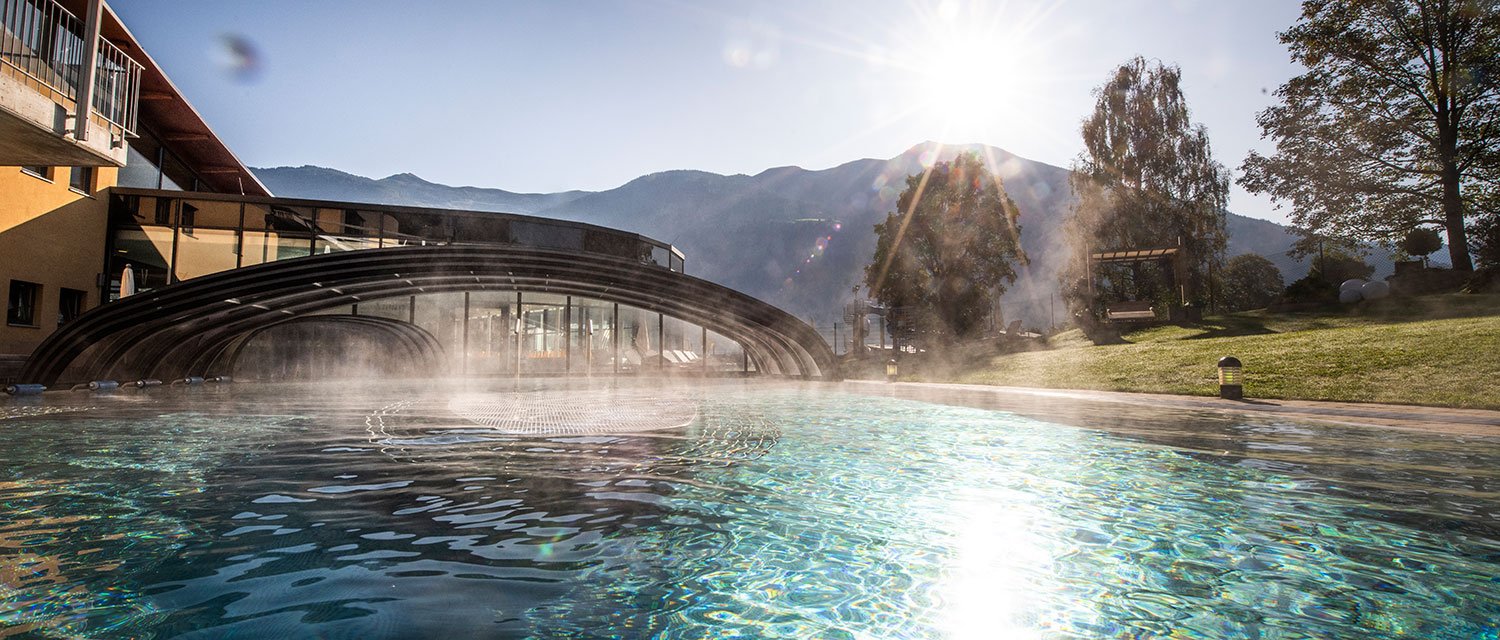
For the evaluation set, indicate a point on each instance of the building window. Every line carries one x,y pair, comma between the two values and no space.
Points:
82,180
69,305
20,307
44,173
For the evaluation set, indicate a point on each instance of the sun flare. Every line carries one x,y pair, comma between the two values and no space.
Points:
976,65
969,80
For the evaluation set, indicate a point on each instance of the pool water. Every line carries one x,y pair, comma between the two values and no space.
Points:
777,510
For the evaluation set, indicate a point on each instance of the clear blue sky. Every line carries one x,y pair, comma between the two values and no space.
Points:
549,96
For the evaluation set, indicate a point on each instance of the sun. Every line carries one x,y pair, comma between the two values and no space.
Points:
975,66
968,80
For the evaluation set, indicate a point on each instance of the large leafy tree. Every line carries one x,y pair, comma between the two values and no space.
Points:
1146,179
1250,282
1396,122
943,259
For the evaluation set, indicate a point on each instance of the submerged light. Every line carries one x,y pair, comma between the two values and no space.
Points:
1231,378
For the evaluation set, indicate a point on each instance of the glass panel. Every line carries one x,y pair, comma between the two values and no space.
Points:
211,213
295,219
660,256
125,210
723,354
361,224
70,305
615,244
341,310
256,216
492,336
140,168
20,308
638,340
287,246
592,347
331,220
81,178
179,174
256,250
546,236
481,229
543,333
417,228
398,308
146,250
441,314
205,251
334,244
682,345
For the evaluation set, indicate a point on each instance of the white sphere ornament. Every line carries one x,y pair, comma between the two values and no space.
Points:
1350,296
1375,290
1352,283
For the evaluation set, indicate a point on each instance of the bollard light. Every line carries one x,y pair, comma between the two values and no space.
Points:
890,370
1231,378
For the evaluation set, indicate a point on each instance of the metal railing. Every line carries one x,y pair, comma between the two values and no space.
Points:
40,40
117,87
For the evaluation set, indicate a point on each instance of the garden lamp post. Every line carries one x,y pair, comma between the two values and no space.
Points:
890,370
1231,378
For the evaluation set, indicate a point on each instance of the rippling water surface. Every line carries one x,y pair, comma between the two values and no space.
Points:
733,509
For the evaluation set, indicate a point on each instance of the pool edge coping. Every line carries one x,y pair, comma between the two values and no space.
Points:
1454,421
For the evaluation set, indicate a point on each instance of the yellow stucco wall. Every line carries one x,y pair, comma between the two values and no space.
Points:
52,236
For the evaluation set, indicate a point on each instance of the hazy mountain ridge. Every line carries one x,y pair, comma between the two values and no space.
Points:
761,234
322,183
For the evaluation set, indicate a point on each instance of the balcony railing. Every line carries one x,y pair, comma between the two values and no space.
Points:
41,41
117,87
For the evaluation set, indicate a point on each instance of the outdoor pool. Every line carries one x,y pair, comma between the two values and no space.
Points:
737,508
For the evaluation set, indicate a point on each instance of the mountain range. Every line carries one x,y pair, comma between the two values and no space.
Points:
797,238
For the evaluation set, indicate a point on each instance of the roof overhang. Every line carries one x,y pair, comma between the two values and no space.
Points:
169,115
1134,255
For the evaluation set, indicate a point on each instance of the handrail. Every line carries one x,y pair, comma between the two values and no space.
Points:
117,87
41,40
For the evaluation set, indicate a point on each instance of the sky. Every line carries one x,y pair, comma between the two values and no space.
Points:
585,94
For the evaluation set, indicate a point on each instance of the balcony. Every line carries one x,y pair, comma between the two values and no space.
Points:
41,72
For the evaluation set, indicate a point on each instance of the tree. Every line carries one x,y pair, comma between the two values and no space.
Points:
1146,179
1334,260
1421,241
1396,122
943,261
1486,242
1251,282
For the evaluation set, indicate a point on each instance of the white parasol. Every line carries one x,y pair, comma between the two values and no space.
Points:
127,281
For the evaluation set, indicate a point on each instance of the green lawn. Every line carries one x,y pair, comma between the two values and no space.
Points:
1434,350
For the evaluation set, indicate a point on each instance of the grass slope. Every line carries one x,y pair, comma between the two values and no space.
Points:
1435,350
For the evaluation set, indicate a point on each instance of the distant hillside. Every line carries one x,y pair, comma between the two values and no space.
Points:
795,237
403,188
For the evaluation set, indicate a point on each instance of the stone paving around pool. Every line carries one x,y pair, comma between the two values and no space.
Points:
1436,419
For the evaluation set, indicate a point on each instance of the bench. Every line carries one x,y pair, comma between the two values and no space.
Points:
1130,311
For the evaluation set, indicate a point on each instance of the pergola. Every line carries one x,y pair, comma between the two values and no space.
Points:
1136,310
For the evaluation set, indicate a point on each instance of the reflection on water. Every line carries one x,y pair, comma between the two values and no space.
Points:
777,511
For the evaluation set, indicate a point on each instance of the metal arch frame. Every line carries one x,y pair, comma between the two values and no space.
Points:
174,330
419,343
